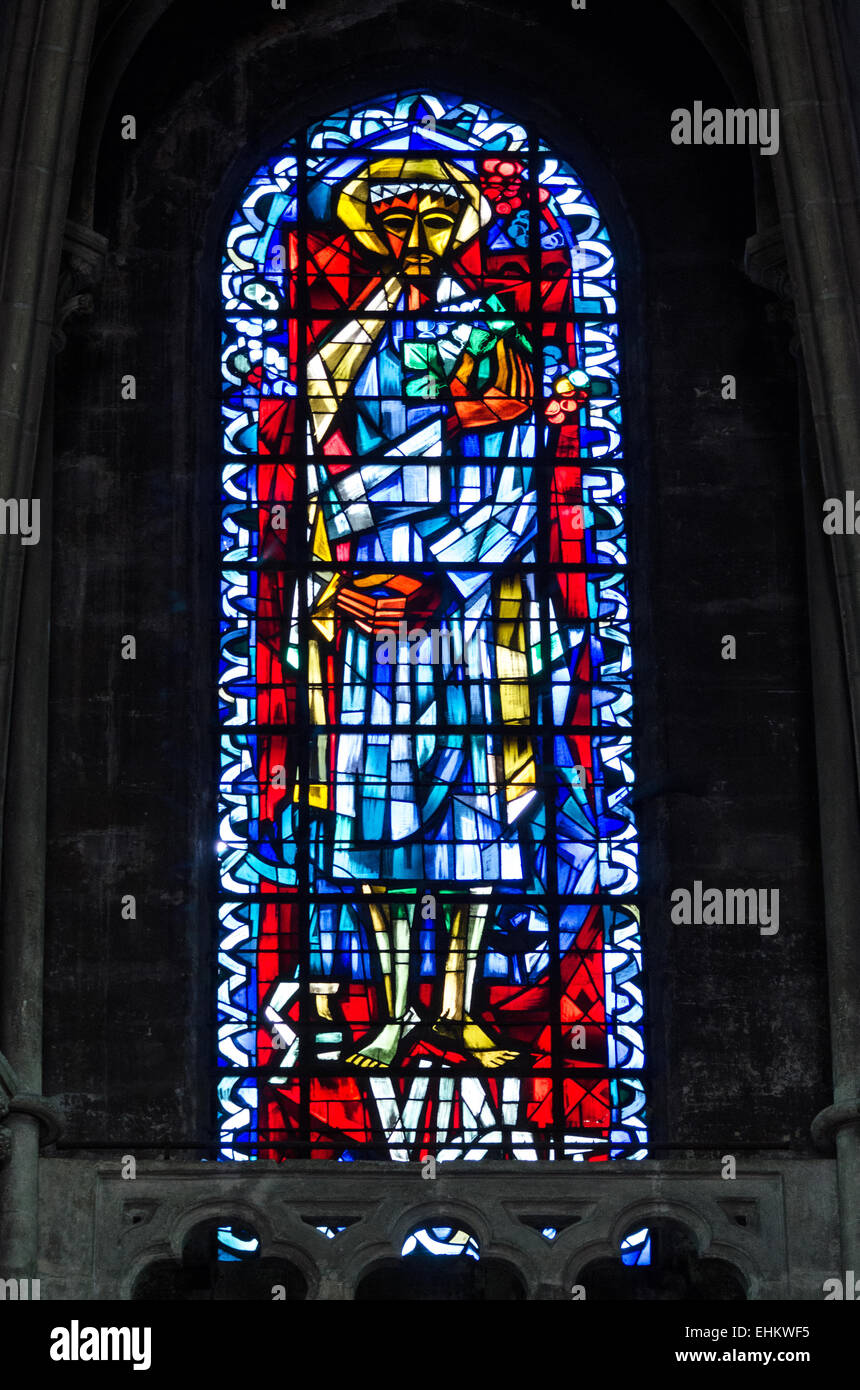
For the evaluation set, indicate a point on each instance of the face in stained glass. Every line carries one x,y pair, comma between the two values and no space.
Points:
429,929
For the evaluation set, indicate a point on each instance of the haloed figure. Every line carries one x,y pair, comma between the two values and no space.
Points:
421,405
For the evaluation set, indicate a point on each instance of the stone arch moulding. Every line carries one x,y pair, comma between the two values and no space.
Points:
637,1213
118,44
441,1212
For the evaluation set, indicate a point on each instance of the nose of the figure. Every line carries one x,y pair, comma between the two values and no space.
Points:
417,241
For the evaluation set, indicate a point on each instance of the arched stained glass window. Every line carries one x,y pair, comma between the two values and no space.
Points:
429,938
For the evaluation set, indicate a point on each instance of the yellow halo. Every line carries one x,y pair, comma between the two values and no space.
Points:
352,203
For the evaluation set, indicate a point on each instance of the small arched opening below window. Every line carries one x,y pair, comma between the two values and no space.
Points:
221,1262
660,1262
441,1262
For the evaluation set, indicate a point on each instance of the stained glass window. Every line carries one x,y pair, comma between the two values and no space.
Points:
429,933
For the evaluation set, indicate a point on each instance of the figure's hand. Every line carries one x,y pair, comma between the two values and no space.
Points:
379,601
509,397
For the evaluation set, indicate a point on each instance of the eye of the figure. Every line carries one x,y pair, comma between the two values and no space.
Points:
438,221
397,222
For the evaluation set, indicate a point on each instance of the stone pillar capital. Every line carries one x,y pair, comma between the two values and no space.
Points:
766,263
829,1121
42,1110
81,268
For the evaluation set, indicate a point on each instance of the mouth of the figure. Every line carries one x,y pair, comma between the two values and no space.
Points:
422,265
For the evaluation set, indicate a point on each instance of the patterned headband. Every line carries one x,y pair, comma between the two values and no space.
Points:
381,192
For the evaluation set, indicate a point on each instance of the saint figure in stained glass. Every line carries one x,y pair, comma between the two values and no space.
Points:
413,804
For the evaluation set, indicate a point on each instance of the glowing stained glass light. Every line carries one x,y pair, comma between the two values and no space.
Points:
441,1240
429,932
636,1247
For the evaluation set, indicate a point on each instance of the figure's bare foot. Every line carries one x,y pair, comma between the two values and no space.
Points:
474,1040
380,1052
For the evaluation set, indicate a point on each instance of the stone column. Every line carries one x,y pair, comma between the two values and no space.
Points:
45,72
31,1121
49,46
333,1287
839,814
23,896
796,54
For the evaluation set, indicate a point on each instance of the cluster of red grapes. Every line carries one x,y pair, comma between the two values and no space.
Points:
503,184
